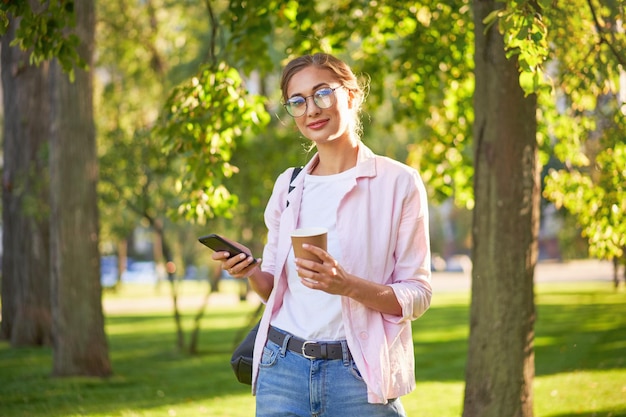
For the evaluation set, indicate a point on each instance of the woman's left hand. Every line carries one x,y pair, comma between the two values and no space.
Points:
330,277
327,276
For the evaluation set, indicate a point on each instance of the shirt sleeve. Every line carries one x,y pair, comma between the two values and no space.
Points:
273,211
412,272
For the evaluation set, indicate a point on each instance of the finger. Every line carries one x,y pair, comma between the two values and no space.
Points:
251,265
324,256
315,250
308,282
220,256
304,272
231,261
307,264
244,267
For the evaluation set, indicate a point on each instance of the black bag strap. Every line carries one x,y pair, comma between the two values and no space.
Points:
294,174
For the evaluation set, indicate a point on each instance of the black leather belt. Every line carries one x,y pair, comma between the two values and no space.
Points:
308,349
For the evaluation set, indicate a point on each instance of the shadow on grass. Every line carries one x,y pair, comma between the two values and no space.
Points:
148,371
587,335
597,413
440,342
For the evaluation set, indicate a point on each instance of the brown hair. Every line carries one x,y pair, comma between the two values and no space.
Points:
340,69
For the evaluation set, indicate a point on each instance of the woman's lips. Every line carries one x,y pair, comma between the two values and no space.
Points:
318,124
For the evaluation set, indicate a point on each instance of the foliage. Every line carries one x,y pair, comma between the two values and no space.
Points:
142,51
581,116
600,205
44,30
576,48
253,44
203,118
421,85
432,95
415,57
586,123
521,22
419,62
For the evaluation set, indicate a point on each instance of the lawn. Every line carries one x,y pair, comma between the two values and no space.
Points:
580,350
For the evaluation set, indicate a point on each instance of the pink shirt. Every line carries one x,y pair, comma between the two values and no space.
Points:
383,232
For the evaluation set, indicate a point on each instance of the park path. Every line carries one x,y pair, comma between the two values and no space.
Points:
588,270
562,272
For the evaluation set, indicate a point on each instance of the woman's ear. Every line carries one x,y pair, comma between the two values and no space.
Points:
351,98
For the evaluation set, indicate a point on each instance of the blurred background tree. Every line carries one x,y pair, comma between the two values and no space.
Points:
51,279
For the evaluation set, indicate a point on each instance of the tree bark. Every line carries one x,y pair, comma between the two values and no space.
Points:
26,316
500,366
80,345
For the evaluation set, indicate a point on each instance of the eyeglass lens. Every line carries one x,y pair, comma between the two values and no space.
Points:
323,98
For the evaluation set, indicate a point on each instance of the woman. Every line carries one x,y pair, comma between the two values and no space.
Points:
335,338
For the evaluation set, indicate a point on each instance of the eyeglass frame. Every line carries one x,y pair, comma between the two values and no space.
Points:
287,104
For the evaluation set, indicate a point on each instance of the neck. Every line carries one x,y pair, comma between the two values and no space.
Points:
336,157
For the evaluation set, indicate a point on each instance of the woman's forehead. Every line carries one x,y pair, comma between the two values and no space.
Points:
308,79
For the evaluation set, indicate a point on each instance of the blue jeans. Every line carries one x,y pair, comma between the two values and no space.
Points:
290,385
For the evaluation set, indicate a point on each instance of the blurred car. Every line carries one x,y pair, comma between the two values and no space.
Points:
140,272
108,271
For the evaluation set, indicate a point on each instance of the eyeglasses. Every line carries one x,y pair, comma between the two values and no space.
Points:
323,98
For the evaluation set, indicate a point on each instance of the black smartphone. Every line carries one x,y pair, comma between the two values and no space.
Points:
219,244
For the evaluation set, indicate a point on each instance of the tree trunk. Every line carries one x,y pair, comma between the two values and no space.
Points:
500,366
166,255
80,345
26,316
122,259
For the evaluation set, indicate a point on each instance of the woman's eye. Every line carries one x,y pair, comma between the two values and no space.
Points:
296,102
324,92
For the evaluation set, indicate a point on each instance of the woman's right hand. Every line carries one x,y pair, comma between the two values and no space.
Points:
238,266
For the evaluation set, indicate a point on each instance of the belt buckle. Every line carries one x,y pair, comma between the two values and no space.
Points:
303,350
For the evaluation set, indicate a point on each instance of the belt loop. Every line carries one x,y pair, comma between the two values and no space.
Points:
283,348
324,350
346,352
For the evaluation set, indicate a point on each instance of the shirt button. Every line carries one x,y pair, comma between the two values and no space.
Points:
364,335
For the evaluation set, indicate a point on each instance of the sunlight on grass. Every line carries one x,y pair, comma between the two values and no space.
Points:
580,356
435,399
588,393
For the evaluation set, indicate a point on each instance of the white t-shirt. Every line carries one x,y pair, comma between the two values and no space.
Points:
306,313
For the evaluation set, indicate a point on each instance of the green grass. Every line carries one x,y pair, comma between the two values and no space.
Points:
580,361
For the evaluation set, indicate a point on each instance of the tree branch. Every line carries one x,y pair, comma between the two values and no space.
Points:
603,38
213,23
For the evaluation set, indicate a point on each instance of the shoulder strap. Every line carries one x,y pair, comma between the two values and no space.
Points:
294,174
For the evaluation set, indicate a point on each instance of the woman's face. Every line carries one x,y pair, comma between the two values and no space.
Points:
321,125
